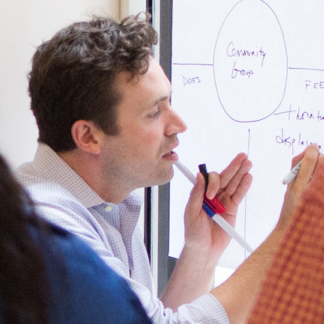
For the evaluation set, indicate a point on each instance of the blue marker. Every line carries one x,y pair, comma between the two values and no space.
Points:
211,213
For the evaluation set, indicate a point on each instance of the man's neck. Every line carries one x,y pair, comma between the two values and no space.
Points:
88,167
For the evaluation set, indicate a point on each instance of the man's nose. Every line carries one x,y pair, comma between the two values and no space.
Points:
176,124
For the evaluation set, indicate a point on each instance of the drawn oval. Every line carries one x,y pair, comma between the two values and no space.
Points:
250,62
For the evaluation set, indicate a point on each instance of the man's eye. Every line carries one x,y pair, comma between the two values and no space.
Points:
154,114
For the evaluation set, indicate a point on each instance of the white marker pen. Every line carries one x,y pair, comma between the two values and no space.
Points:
217,218
292,174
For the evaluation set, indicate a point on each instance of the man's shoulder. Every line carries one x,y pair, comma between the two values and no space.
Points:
53,202
26,173
41,189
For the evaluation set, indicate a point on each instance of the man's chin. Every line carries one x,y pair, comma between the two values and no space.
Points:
166,178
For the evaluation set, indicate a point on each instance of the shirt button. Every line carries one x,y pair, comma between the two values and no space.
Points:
108,208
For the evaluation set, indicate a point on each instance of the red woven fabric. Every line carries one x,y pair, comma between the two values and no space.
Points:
293,291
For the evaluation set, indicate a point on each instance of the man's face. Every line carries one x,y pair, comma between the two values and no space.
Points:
142,155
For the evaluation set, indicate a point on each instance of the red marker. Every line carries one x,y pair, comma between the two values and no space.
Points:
214,207
214,204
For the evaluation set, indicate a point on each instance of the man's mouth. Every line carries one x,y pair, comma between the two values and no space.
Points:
171,156
168,154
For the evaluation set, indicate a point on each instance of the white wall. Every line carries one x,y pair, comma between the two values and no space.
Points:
23,26
131,7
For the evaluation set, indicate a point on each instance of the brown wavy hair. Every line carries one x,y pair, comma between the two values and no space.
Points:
73,75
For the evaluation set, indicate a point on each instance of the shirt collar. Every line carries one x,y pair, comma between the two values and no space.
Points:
54,168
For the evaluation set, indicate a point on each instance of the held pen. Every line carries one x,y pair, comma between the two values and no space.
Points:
292,174
210,209
214,204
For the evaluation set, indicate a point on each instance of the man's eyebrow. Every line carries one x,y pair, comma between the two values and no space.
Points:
160,99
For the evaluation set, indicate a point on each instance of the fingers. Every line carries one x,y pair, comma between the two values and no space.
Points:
235,182
230,178
319,166
242,189
228,182
296,188
308,165
227,175
197,195
213,184
298,157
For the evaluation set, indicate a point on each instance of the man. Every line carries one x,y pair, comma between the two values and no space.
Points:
106,127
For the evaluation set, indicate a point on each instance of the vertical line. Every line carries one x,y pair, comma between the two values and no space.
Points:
249,136
153,7
155,236
148,221
165,263
149,6
156,24
246,198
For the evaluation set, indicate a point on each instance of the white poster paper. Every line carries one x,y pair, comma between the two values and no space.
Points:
247,76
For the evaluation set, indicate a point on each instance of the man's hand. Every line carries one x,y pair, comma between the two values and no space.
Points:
301,182
205,241
239,292
230,187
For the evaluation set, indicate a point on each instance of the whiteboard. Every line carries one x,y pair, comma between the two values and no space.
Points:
247,76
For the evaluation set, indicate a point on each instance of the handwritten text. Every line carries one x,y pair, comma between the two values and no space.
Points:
300,114
190,80
291,141
314,85
232,52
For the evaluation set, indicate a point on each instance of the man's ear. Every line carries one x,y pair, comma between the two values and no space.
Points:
86,136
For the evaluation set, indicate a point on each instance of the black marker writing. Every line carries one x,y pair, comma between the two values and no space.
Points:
286,140
236,72
232,52
301,115
314,85
304,115
290,141
190,80
319,116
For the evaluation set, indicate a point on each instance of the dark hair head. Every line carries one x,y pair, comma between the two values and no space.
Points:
72,76
23,285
